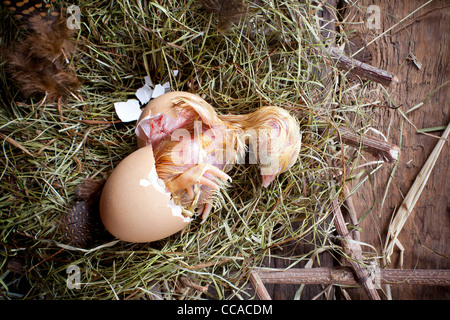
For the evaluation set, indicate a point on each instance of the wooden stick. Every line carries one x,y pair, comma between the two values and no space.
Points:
345,276
359,68
411,198
188,283
261,290
377,147
350,209
355,253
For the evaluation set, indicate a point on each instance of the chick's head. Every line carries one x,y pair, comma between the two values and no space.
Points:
275,139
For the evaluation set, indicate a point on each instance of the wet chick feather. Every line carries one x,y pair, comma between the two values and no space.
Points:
273,136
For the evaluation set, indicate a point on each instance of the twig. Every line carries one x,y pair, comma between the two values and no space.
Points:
261,290
188,283
354,251
359,68
350,208
345,276
377,147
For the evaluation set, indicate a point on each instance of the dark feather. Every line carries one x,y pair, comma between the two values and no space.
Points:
80,225
90,190
76,225
39,62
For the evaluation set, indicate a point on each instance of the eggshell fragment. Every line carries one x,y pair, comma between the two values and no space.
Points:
128,111
134,205
144,94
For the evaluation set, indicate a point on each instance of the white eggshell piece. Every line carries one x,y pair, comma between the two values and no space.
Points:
148,81
166,86
158,91
144,94
128,111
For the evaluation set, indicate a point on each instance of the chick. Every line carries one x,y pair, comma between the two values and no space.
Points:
191,151
194,151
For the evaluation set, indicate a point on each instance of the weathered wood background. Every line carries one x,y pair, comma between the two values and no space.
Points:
426,36
425,236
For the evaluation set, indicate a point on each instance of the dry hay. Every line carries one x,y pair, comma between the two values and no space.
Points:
48,149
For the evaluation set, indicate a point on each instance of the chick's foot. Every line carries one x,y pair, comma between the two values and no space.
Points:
196,175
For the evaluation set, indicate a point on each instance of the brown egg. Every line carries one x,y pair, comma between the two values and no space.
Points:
134,205
163,104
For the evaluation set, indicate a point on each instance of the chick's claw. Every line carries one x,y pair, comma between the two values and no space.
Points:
204,211
195,175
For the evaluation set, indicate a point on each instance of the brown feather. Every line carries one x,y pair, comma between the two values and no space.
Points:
80,225
90,190
38,62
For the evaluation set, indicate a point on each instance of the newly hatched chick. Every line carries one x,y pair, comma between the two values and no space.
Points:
194,150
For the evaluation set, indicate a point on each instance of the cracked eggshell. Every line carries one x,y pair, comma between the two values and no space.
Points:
163,104
134,205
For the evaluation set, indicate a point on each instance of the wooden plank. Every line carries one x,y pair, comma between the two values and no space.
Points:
422,40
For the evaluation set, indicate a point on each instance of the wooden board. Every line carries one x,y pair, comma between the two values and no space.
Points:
424,237
426,36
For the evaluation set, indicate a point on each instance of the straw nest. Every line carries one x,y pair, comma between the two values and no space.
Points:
49,148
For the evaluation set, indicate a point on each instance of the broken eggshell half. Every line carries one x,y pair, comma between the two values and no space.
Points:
134,204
